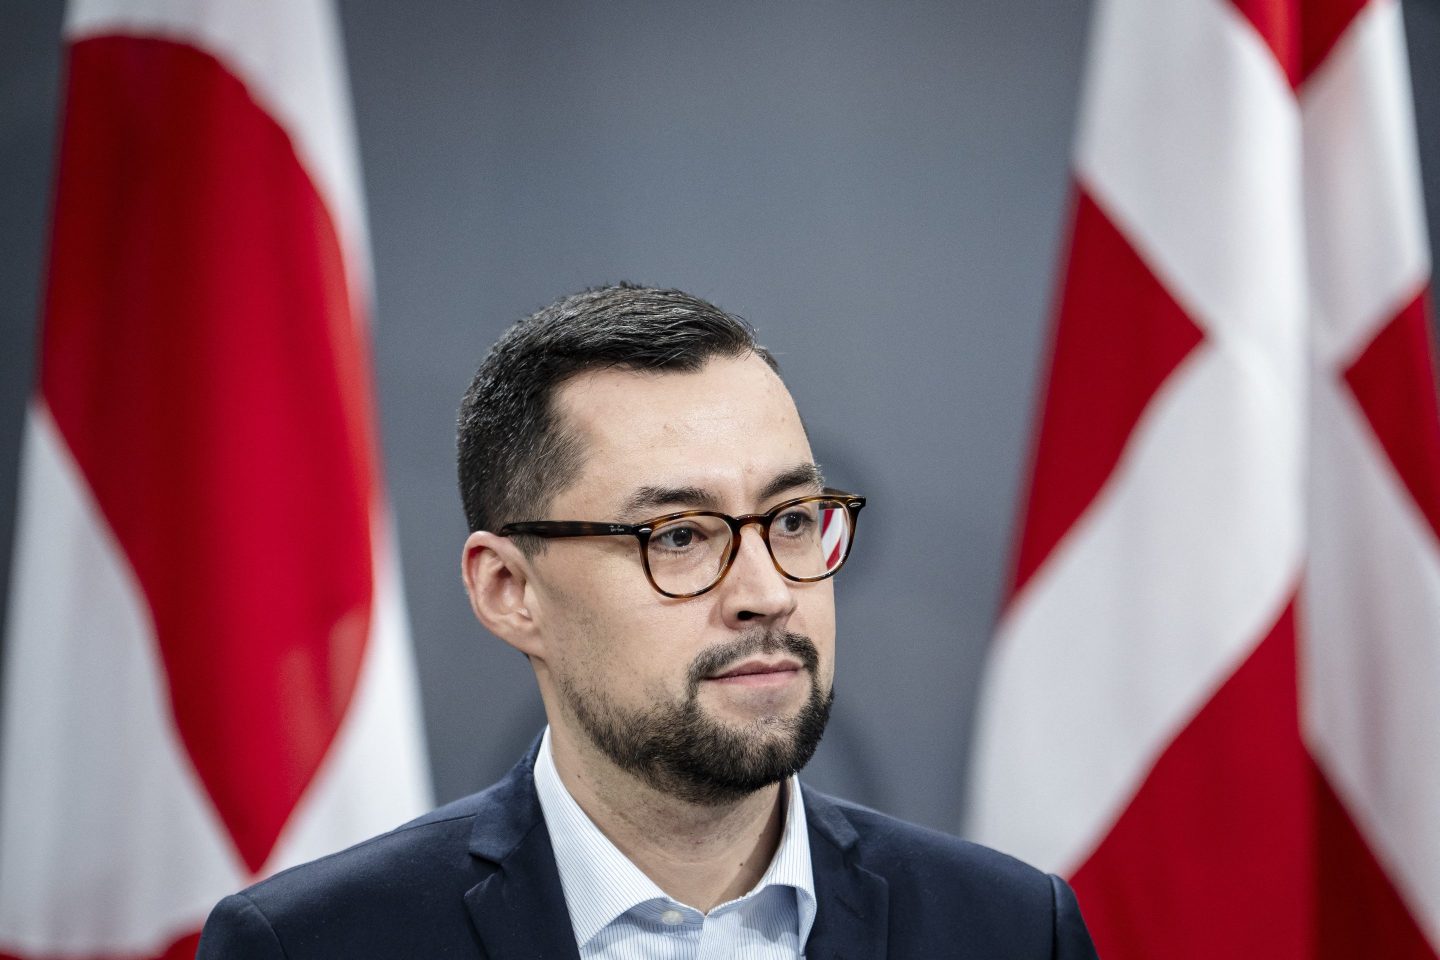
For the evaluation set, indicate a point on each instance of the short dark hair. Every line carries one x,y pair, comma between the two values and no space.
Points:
512,454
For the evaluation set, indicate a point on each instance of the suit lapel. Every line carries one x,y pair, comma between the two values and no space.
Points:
519,910
852,904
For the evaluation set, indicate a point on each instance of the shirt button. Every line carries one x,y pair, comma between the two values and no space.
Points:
672,917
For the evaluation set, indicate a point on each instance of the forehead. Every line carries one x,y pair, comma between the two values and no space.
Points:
729,427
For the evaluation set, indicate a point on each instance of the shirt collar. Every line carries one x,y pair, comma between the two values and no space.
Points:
601,883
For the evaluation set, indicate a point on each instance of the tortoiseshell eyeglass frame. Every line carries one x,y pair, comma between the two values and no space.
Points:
559,529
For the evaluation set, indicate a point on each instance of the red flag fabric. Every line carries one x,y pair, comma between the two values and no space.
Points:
208,672
1211,697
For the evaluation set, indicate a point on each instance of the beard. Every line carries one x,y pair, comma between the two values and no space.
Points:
680,750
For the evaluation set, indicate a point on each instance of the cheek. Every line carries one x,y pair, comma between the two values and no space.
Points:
817,621
585,594
631,646
816,609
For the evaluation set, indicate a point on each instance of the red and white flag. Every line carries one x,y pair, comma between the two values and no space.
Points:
208,673
1214,696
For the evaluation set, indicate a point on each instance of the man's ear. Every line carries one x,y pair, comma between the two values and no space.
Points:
497,578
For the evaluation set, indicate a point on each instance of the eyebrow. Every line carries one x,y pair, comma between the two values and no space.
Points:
802,475
647,499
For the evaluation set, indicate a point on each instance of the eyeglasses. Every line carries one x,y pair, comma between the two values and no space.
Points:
687,553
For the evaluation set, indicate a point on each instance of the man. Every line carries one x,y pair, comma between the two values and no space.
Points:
651,530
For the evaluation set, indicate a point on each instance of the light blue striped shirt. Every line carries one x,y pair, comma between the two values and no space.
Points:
620,914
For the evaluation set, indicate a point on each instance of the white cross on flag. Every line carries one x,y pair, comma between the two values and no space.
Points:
208,674
1214,695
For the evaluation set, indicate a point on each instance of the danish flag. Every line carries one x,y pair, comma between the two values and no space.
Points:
834,524
208,672
1214,695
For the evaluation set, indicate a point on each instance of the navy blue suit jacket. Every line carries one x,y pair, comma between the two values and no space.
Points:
477,878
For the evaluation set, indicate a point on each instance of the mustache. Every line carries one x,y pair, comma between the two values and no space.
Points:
718,658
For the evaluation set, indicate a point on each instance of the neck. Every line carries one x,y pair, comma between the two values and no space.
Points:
699,854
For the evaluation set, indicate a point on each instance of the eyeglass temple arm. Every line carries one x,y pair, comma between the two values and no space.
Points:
569,528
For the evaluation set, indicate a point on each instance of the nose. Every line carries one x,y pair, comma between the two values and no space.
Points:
754,590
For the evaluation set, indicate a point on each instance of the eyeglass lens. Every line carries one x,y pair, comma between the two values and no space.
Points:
807,540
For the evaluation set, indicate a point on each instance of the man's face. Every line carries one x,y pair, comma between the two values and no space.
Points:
711,697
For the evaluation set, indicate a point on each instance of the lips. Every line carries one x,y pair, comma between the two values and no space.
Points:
757,668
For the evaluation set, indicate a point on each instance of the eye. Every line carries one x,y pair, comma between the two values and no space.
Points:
679,537
795,522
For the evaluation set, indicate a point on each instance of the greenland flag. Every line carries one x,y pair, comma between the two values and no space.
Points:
1213,700
207,674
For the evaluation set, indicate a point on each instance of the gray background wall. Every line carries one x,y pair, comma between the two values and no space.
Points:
880,187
